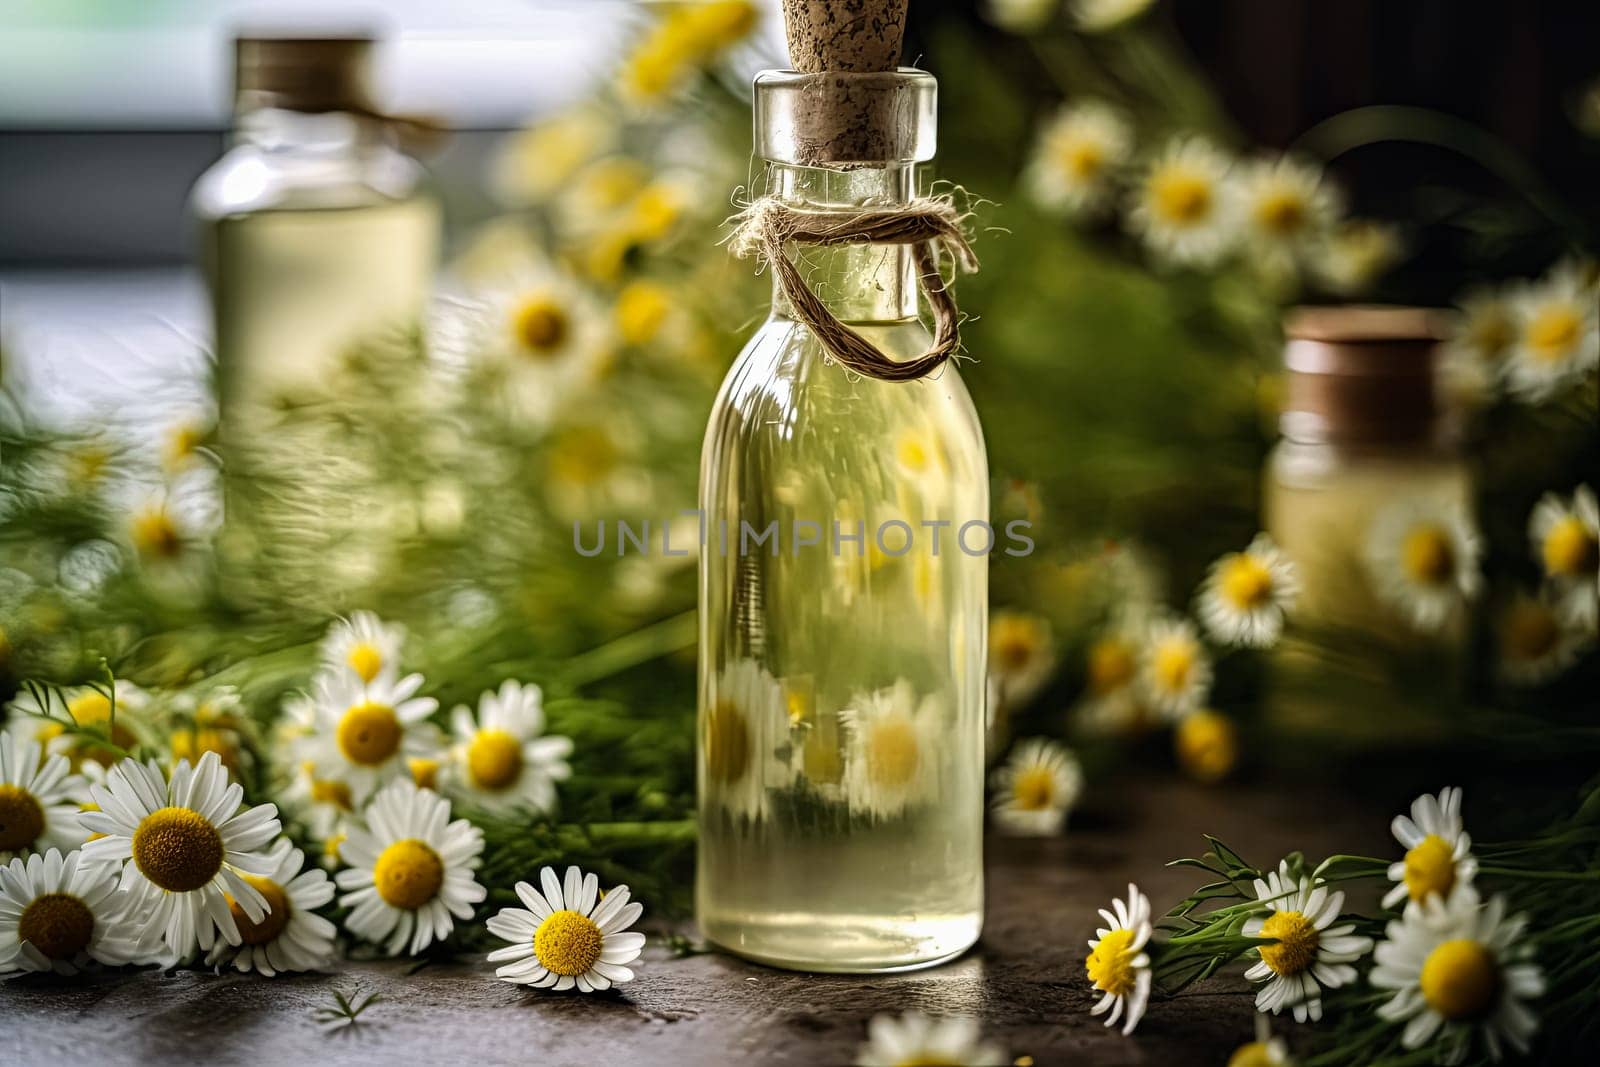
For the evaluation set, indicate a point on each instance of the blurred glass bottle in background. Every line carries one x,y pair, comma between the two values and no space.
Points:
316,230
1370,496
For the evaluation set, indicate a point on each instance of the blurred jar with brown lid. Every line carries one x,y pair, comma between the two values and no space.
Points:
1369,494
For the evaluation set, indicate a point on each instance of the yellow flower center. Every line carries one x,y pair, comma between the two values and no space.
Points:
21,818
1082,159
192,744
57,924
330,847
494,759
540,326
365,660
1255,1054
154,534
1245,582
1570,548
1172,664
1282,213
1180,198
93,709
177,849
642,308
1530,631
408,874
1427,555
567,943
272,923
1034,789
892,754
1460,979
328,791
369,734
1112,664
1208,746
1553,332
913,453
424,772
1110,963
183,441
1430,868
1296,947
727,742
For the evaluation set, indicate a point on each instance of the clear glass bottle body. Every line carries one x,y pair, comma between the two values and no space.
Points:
316,234
841,706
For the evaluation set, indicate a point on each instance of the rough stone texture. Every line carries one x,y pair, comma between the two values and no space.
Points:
859,36
1025,980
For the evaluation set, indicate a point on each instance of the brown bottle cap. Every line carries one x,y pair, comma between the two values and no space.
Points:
311,74
1361,373
852,113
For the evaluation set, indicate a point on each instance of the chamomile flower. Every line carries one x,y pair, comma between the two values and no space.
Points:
38,798
1036,788
410,870
1286,207
1111,701
1182,206
1534,644
1308,952
365,733
1175,674
1246,595
1118,965
1557,333
1422,558
567,936
744,719
1473,360
1101,16
1022,655
500,760
1264,1051
324,807
535,163
892,749
1079,154
1438,850
57,913
1355,254
185,845
1206,744
291,936
364,646
1566,542
914,1038
1460,971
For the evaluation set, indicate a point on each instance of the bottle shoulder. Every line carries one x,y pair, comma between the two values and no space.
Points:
249,178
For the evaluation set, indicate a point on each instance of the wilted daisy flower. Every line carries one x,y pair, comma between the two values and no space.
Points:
1022,654
914,1038
1080,151
290,937
741,725
365,733
1286,207
1438,850
1181,206
1557,333
1459,971
500,762
1246,594
364,645
1020,16
1473,360
1422,557
1308,953
892,749
1207,745
38,798
59,912
1355,254
410,870
1036,788
1175,674
1118,965
1099,16
1534,644
567,936
1566,542
185,846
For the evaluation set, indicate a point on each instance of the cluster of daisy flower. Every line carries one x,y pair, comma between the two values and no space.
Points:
1453,972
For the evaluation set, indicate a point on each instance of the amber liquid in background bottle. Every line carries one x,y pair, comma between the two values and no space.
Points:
1362,433
841,718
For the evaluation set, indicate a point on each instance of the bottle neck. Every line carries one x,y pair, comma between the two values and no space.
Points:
328,135
858,283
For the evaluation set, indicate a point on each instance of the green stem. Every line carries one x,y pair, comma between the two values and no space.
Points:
630,650
1541,876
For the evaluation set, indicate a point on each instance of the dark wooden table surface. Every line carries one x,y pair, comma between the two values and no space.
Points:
1024,981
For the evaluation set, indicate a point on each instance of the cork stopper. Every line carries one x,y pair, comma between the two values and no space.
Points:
310,74
854,110
1362,373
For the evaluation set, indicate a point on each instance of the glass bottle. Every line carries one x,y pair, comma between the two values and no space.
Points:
316,232
1364,438
841,696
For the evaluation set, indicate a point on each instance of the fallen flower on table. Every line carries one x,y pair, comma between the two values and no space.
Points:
1118,964
1310,953
569,935
915,1038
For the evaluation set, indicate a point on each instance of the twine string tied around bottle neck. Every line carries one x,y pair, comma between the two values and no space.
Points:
930,225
